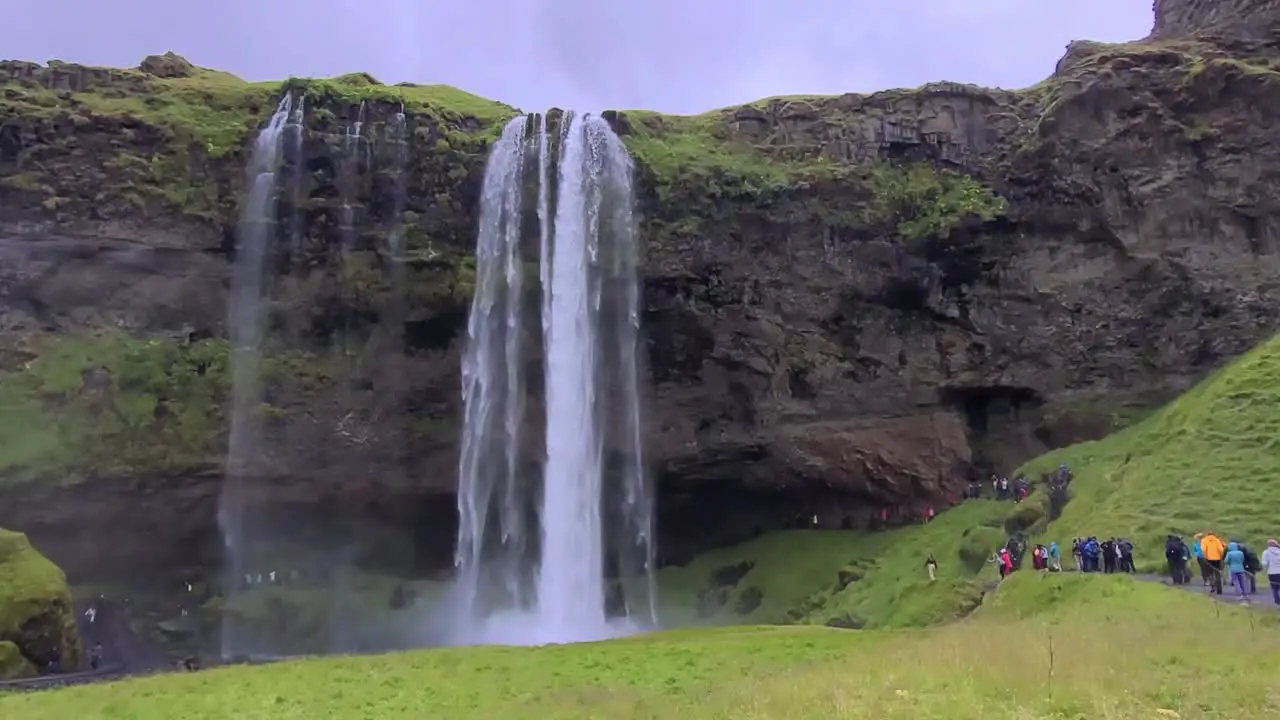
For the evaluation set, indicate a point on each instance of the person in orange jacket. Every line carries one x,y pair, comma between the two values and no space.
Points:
1213,549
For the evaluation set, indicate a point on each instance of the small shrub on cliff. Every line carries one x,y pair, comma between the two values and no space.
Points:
921,201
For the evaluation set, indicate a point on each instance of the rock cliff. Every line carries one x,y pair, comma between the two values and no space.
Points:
852,303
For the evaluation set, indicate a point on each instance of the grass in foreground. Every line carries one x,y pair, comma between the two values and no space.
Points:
1120,648
1208,460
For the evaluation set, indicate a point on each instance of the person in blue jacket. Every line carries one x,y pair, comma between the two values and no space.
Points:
1233,563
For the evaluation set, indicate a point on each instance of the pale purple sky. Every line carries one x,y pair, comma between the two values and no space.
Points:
671,55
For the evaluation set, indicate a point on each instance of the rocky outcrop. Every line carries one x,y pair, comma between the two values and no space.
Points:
1183,17
37,619
851,303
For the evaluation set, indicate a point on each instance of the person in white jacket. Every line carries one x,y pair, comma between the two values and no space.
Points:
1270,561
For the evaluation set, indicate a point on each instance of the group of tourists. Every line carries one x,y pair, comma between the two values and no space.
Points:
1223,561
1017,489
1002,488
1108,556
1220,561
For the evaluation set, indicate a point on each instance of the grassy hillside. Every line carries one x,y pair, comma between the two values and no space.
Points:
1039,648
842,578
1208,460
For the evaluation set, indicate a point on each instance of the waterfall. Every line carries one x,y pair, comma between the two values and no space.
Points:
349,171
348,175
489,442
397,136
593,515
246,324
544,224
294,127
622,372
571,582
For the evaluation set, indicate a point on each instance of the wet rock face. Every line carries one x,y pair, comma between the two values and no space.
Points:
809,351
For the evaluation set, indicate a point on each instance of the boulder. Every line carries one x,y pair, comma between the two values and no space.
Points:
37,618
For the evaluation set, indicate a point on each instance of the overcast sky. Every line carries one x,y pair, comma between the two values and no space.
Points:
670,55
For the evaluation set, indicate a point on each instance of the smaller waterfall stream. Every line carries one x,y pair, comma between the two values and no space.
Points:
246,325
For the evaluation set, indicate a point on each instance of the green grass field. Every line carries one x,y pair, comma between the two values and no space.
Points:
1207,461
1040,647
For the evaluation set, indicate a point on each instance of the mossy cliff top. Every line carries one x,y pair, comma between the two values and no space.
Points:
37,619
104,142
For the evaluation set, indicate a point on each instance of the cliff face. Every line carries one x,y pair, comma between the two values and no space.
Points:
1185,17
851,302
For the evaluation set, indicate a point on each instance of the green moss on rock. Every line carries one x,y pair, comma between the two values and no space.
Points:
36,613
112,405
922,201
171,138
13,665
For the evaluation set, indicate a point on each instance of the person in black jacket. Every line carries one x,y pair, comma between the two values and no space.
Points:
1175,555
1109,555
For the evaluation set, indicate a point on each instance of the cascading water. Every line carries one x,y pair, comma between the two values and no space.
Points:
350,169
245,324
591,517
489,575
349,172
294,129
397,136
621,370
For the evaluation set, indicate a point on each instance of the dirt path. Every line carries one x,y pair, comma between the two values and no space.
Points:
1260,601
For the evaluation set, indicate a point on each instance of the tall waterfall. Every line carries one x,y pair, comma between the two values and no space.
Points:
592,557
246,324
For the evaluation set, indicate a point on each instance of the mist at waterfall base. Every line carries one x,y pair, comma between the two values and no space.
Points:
562,552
